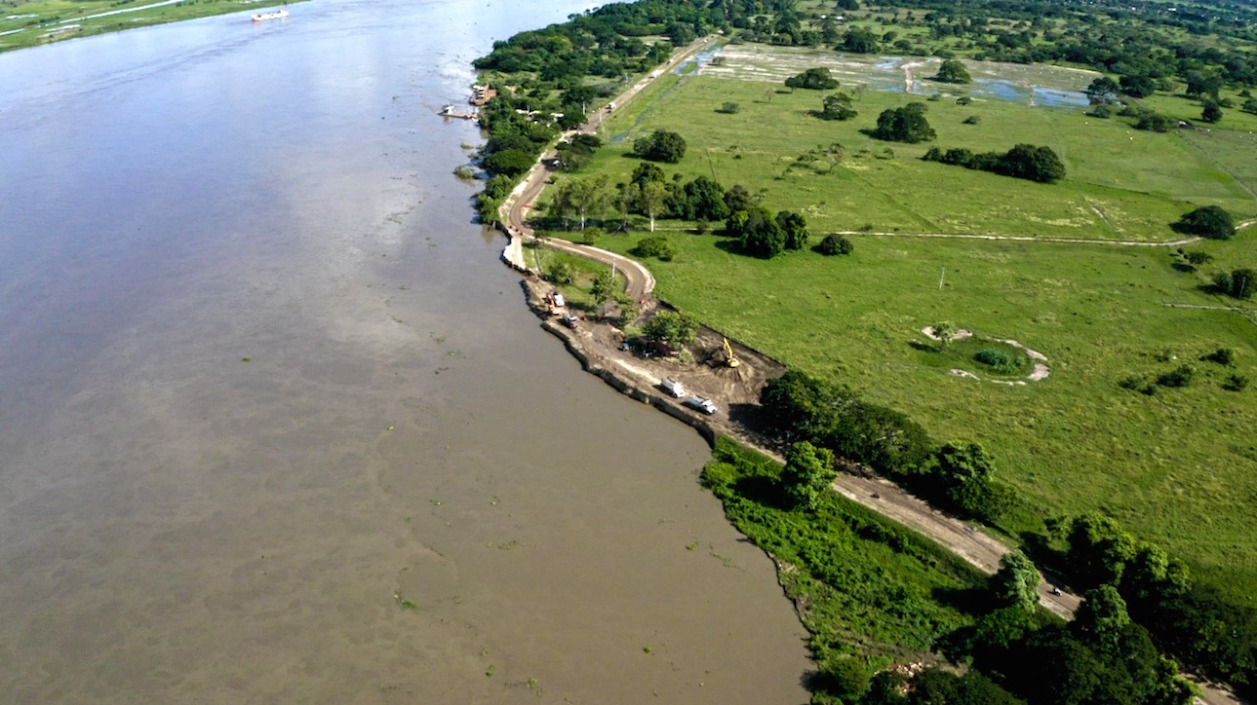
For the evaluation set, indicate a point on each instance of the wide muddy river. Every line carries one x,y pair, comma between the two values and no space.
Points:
275,423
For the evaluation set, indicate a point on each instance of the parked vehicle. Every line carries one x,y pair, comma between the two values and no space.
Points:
569,320
701,404
673,387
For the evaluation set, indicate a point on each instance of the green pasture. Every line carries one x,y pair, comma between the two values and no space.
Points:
1123,184
1178,467
30,23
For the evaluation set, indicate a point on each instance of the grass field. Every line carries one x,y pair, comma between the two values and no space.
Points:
1179,467
26,23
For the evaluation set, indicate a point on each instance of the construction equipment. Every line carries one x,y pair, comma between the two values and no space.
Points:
730,359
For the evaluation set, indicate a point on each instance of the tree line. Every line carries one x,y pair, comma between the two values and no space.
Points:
1024,161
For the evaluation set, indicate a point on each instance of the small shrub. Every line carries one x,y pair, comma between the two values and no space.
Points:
1196,258
654,246
464,172
1222,356
1180,376
964,100
997,359
560,272
835,244
590,236
1133,382
729,108
1235,383
972,120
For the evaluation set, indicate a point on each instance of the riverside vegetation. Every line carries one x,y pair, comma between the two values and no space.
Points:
27,23
1058,463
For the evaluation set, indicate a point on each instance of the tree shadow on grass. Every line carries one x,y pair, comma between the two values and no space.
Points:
765,491
975,601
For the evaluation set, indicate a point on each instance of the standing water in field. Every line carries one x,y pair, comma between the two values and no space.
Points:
276,424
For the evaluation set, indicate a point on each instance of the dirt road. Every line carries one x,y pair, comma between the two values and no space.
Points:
514,210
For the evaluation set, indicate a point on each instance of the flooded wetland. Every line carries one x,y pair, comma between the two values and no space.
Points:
277,425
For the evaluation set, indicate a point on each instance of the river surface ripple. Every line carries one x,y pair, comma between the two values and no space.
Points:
408,492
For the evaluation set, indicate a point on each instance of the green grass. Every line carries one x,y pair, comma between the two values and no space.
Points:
1178,468
1123,184
26,23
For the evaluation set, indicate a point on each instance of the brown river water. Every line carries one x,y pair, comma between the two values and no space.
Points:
408,493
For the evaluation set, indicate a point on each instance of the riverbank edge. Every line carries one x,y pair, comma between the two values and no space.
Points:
226,9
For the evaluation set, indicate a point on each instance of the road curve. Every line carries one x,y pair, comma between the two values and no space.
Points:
640,283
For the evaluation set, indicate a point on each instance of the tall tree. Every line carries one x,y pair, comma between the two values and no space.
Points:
1016,584
808,473
651,199
953,71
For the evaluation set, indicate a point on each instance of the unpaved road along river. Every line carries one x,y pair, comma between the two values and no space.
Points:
276,426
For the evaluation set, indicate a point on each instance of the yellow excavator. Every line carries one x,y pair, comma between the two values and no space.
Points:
730,359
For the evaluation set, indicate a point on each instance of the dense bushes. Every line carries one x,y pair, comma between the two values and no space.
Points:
762,234
1024,161
1207,632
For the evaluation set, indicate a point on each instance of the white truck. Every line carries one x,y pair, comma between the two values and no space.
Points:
701,404
673,387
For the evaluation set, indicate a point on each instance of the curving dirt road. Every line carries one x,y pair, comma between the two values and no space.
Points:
640,281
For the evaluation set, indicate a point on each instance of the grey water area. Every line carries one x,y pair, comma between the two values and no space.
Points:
275,423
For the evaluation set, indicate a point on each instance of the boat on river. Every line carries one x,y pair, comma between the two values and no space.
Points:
280,14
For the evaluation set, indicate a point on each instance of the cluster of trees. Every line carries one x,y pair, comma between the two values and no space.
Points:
1240,283
906,124
651,193
762,234
1107,35
805,408
671,328
1200,627
1100,657
606,41
1024,161
513,146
